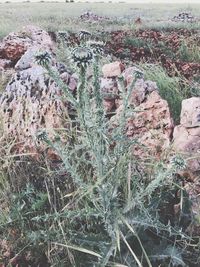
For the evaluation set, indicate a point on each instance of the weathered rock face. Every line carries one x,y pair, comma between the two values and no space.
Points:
70,80
4,63
129,74
16,44
5,76
110,91
112,69
153,125
31,102
141,90
150,123
109,105
187,135
28,59
190,113
13,48
109,88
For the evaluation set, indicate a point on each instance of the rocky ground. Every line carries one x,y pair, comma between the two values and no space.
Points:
155,46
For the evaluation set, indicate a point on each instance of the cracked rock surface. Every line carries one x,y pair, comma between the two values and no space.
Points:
16,44
186,136
30,102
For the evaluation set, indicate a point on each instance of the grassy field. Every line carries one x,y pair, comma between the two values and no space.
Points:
62,16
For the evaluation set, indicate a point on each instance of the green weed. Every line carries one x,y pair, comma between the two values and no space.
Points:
172,89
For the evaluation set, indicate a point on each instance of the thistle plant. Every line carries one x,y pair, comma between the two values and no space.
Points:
178,163
84,35
91,120
112,208
82,56
42,135
96,46
43,59
63,36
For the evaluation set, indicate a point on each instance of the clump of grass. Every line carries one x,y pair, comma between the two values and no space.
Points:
172,89
189,51
138,42
165,49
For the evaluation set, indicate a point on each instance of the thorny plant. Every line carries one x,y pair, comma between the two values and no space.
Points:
116,213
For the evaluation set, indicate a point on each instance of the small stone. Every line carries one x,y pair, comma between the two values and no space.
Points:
129,74
112,69
109,88
108,105
190,111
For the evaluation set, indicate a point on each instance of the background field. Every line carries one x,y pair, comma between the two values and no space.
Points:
61,16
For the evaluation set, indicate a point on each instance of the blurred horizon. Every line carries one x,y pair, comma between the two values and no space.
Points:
113,1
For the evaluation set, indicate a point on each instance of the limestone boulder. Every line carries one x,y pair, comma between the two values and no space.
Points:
109,88
113,69
28,59
190,112
140,90
135,77
30,103
150,123
39,37
4,63
186,136
16,44
129,74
